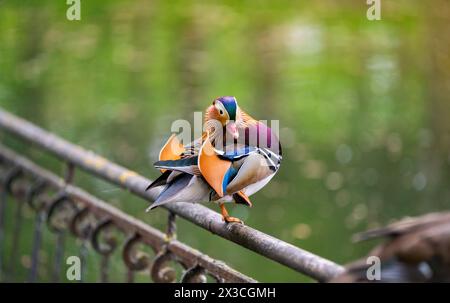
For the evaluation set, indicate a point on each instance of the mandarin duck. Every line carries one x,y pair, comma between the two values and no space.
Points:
234,158
416,250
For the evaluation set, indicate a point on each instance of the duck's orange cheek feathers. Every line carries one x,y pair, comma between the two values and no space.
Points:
213,114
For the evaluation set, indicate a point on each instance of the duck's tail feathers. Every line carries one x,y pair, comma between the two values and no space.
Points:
171,190
187,165
161,180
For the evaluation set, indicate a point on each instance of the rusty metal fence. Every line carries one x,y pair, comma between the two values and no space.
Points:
68,210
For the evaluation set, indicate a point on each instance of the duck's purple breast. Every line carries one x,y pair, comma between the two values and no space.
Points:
262,136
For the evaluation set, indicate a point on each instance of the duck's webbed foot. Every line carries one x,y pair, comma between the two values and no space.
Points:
227,218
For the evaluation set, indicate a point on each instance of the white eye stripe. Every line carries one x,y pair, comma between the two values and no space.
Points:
220,108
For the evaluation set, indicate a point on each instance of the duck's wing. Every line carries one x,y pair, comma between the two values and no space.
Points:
193,148
187,165
254,169
175,156
236,152
161,180
174,159
183,188
180,174
173,149
244,167
259,159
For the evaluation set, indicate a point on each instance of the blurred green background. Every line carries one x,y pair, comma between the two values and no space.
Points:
364,107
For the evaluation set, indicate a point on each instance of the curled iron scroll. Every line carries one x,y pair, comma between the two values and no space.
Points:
80,225
104,245
109,244
33,191
133,259
162,271
195,274
60,211
10,177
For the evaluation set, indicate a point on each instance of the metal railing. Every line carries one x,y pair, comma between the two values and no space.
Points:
167,249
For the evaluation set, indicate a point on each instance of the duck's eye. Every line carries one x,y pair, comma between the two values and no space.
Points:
221,112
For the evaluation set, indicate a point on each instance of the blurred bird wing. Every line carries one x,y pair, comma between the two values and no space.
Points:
212,167
403,226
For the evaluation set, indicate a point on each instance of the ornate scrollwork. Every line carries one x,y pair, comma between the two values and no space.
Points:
104,245
79,214
33,191
10,177
163,270
195,274
80,225
60,212
109,242
134,260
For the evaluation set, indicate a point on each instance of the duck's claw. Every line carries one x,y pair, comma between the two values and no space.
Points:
230,219
227,218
